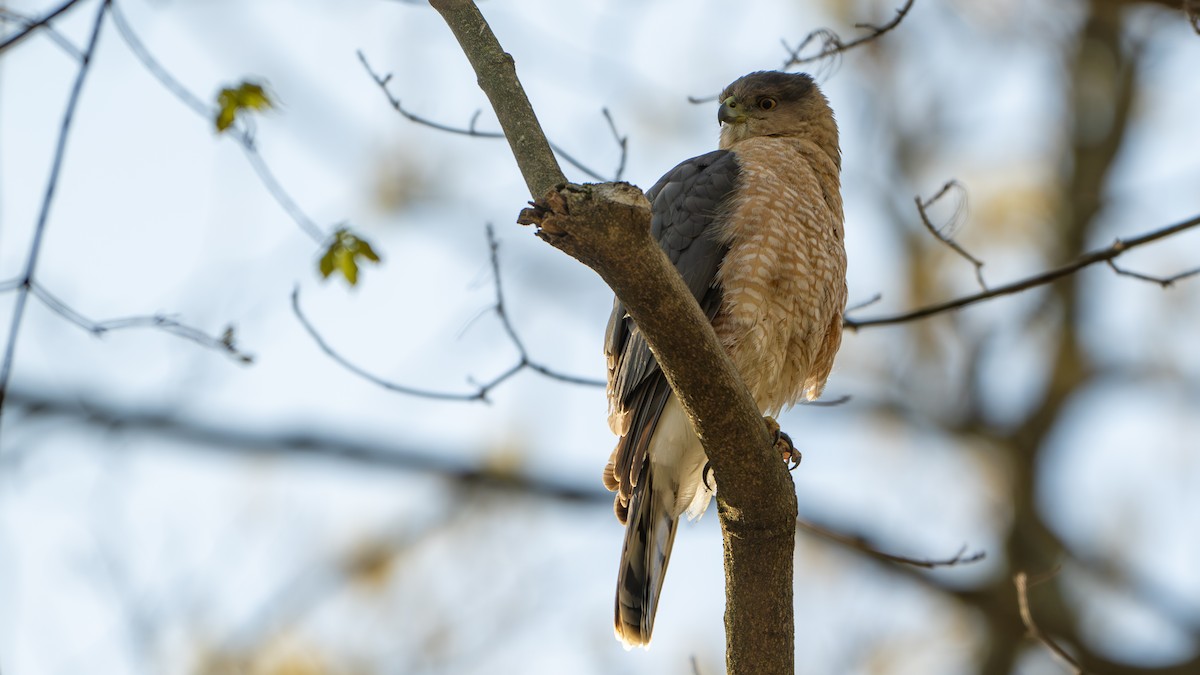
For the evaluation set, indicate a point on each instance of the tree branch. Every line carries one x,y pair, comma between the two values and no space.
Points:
35,24
1021,582
497,76
1165,282
1103,255
831,44
860,543
224,343
35,246
450,465
54,35
607,228
923,204
243,137
470,130
524,361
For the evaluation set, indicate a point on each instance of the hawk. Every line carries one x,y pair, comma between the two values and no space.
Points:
756,231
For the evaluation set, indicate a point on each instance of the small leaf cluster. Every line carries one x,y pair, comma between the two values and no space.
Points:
343,253
232,101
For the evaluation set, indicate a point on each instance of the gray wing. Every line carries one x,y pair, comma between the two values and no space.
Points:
687,205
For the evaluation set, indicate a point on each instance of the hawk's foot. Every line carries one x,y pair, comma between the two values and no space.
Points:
704,474
783,443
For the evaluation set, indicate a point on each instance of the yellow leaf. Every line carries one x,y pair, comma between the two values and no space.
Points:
344,259
231,101
343,253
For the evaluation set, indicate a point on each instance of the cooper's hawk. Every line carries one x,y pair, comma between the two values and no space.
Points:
755,229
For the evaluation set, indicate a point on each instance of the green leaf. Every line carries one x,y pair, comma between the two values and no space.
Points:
342,255
326,263
231,101
367,252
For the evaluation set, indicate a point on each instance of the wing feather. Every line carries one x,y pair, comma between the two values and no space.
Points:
688,205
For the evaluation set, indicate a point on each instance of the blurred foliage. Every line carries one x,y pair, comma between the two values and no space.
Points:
233,101
343,253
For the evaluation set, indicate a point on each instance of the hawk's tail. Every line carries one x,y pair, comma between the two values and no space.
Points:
649,534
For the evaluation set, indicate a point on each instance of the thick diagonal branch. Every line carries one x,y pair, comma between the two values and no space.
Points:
497,76
607,227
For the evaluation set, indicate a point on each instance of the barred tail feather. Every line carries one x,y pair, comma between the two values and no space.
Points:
649,535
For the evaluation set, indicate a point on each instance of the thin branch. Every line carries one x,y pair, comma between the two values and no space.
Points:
1165,282
57,37
938,232
471,130
375,379
1021,582
833,402
860,543
1103,255
496,74
864,303
35,24
454,465
831,44
35,246
224,343
622,142
502,312
206,111
484,388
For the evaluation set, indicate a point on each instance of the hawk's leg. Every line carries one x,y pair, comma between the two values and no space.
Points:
784,444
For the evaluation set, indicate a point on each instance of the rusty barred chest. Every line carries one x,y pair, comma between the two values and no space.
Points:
783,278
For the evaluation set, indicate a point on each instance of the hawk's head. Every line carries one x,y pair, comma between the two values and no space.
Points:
771,103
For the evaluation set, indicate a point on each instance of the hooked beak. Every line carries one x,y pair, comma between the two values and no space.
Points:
731,112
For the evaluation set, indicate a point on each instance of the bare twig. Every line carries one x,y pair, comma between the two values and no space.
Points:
1103,255
496,74
860,543
833,402
1021,581
57,37
864,303
941,236
622,143
375,379
1165,282
481,394
472,130
831,44
224,343
35,247
35,24
206,111
502,312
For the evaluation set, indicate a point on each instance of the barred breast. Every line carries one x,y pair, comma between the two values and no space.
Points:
783,279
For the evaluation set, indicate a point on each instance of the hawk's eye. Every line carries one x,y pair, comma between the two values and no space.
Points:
766,103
